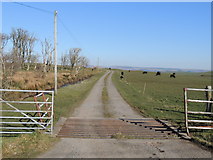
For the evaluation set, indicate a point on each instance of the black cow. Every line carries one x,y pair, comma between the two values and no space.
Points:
144,72
172,75
129,70
158,74
121,77
122,73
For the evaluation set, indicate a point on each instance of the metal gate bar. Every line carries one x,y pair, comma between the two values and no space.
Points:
186,100
31,119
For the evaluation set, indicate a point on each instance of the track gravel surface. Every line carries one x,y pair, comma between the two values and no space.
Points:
92,107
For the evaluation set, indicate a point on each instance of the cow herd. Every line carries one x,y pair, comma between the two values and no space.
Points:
172,75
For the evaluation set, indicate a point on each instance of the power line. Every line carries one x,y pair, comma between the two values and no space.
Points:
39,9
67,29
50,12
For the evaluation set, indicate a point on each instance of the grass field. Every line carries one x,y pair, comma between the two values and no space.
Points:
162,97
29,145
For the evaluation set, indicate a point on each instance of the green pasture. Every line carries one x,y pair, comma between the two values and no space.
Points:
162,97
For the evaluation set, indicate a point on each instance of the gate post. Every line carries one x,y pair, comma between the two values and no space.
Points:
186,110
209,98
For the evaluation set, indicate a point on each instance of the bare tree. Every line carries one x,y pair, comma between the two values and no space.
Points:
4,40
47,51
64,59
34,60
19,39
29,50
23,45
74,57
6,69
83,61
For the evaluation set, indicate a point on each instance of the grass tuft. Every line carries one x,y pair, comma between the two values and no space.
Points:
105,99
121,136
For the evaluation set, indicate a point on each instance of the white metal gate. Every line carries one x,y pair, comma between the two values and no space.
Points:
28,115
187,112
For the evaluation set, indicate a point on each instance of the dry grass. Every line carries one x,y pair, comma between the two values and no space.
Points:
35,81
32,80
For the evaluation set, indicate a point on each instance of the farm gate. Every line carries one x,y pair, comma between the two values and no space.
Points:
193,123
32,111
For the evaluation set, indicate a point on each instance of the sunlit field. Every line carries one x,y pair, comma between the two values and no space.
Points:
162,97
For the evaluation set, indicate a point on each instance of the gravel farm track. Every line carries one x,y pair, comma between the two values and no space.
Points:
93,108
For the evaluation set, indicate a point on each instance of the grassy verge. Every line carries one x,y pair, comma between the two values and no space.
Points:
26,145
30,145
162,97
105,99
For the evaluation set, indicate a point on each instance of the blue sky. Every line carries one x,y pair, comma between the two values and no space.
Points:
168,35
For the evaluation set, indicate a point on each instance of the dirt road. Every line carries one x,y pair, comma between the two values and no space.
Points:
92,107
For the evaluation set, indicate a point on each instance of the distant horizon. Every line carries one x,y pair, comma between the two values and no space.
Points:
169,68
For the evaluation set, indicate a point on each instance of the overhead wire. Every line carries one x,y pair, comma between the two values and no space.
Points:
67,29
36,8
59,18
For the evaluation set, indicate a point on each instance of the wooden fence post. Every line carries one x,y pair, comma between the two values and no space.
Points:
209,98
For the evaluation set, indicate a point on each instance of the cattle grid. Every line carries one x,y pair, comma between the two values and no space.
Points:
145,128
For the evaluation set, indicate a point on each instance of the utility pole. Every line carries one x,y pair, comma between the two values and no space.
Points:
55,48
